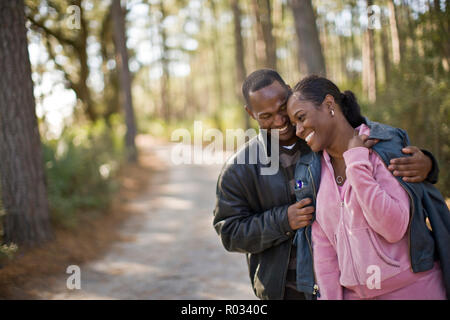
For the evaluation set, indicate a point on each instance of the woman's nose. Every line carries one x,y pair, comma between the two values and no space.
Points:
298,130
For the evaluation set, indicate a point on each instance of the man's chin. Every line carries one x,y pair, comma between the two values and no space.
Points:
288,138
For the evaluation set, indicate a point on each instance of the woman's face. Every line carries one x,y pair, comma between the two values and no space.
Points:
313,123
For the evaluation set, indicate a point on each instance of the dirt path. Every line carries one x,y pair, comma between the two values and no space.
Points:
171,249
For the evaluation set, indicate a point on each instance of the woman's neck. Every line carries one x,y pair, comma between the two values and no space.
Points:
342,135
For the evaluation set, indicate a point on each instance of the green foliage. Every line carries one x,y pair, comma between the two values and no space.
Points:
8,251
419,102
80,167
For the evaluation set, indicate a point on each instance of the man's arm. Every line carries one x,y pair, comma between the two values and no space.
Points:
243,230
240,228
420,166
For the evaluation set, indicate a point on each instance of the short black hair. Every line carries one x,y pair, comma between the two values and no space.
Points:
260,79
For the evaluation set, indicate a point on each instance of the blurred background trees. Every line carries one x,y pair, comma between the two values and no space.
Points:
185,60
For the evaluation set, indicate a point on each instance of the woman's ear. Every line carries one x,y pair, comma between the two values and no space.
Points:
329,102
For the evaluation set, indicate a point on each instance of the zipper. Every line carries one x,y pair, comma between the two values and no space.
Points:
315,287
348,243
410,221
342,219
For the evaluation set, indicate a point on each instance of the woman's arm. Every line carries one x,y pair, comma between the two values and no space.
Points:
384,201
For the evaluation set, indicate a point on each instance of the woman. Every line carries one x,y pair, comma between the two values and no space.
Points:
359,237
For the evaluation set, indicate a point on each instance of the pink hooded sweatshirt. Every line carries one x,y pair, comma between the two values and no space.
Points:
360,241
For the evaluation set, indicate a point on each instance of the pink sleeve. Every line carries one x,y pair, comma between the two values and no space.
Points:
384,202
326,266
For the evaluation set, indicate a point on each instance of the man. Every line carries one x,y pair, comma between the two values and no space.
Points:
257,214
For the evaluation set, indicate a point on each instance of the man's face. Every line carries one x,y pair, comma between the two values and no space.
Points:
268,108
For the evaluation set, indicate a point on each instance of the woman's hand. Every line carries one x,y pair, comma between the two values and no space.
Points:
358,141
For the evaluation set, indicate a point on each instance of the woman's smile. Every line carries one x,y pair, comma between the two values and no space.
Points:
309,137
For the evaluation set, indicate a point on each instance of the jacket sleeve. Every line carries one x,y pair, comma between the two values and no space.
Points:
326,266
240,228
384,202
433,175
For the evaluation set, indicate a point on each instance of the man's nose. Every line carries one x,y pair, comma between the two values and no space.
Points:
280,119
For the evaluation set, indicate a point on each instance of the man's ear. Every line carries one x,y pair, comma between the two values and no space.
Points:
249,111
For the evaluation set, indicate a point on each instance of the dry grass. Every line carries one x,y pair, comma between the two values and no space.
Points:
95,232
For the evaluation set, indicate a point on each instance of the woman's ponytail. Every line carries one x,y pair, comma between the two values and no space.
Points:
351,109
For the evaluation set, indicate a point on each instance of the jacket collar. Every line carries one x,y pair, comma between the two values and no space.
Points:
307,156
378,131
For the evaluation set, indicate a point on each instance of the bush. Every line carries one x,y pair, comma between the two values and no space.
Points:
80,167
7,251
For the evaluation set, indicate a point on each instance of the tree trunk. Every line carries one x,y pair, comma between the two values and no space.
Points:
385,52
309,47
110,77
409,35
165,103
354,49
441,22
345,54
267,44
369,62
369,66
23,184
218,83
125,79
241,72
84,92
365,63
394,32
260,45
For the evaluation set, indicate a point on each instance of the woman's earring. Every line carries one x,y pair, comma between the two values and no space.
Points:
332,112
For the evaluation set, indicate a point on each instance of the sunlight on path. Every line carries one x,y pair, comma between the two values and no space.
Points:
172,250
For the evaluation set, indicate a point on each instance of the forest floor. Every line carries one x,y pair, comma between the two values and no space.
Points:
157,242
